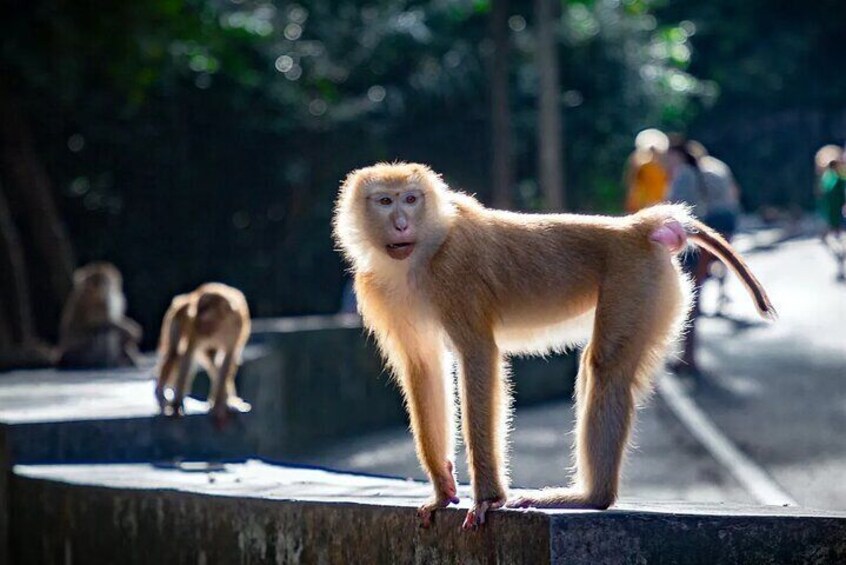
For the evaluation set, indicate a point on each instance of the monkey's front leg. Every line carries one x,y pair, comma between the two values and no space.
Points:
430,406
224,399
166,369
485,406
184,377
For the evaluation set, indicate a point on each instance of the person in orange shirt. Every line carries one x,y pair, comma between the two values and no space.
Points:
646,178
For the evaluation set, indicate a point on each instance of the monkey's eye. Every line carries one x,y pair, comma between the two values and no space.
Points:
410,199
385,201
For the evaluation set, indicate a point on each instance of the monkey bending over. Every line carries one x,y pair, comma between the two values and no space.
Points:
210,325
94,330
435,271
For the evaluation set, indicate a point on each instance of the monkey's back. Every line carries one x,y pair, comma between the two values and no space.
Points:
530,272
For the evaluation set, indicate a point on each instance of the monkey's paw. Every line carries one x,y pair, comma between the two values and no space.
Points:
174,410
223,413
426,512
560,498
445,494
476,515
523,502
236,404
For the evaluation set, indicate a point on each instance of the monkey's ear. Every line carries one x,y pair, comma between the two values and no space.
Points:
353,180
79,276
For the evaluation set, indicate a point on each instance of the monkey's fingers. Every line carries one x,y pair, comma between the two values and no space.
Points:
426,512
476,515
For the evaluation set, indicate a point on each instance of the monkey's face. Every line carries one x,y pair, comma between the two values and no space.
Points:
395,214
99,277
392,213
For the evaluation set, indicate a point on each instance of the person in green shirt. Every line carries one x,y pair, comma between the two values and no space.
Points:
832,201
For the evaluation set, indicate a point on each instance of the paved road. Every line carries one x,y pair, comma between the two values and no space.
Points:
665,462
777,390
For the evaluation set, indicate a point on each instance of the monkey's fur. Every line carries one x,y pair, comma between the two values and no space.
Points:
210,325
435,271
94,331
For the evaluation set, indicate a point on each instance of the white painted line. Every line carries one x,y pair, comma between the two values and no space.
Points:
749,474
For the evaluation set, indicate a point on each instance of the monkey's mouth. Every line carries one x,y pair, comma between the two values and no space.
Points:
399,251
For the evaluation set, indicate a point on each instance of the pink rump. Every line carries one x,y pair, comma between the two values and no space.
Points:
670,235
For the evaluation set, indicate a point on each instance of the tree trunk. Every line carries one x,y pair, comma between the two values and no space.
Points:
500,110
24,175
7,339
550,150
15,309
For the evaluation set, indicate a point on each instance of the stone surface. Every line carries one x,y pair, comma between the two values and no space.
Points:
259,513
310,381
85,416
664,462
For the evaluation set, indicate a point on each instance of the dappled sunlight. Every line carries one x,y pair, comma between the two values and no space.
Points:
572,154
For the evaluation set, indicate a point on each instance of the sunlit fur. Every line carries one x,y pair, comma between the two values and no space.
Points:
483,284
211,326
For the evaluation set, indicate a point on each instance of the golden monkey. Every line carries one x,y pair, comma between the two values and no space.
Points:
436,272
210,326
94,330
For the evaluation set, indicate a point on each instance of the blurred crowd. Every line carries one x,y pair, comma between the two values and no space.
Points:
670,168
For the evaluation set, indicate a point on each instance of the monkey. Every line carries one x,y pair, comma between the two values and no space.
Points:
94,331
211,326
437,274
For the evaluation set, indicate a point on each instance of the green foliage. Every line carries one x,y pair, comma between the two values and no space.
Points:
778,65
205,139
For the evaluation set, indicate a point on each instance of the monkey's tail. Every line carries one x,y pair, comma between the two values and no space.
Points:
712,241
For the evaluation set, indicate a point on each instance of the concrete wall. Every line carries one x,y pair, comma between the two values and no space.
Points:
314,386
311,381
256,513
321,379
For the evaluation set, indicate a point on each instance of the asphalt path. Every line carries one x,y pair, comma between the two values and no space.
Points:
778,390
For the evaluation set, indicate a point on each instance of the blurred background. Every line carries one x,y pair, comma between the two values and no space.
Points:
188,141
201,140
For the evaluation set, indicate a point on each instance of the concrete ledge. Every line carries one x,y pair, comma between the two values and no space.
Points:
53,416
259,513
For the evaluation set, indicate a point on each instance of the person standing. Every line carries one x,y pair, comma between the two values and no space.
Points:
687,186
646,179
722,209
831,198
707,185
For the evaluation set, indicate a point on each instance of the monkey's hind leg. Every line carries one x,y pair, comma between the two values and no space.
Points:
184,377
616,365
604,410
222,395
